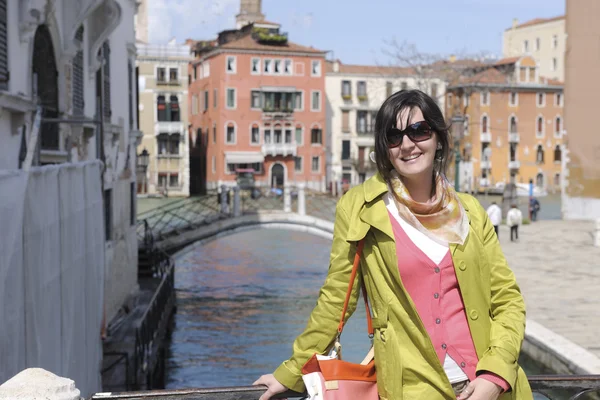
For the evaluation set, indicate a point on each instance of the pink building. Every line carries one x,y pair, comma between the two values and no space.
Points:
257,101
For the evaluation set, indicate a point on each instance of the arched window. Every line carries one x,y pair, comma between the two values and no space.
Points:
484,124
539,157
557,154
540,126
78,74
161,108
45,84
513,125
230,138
557,126
539,180
277,134
174,108
254,134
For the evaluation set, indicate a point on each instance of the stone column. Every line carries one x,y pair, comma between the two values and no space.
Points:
287,198
37,383
237,209
301,199
224,199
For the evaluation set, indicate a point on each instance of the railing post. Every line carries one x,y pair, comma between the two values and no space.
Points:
301,199
37,383
224,202
287,198
597,234
237,210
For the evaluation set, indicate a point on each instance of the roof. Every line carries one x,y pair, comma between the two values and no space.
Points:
507,61
265,22
537,21
368,69
490,75
248,43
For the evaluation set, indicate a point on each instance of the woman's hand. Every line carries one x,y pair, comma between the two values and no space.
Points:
481,389
272,384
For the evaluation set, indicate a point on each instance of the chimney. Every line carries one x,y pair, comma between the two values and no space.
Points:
336,66
250,12
515,23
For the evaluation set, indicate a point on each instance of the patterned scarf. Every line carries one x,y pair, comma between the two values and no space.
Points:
443,219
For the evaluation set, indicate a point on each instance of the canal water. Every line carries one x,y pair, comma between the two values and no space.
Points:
241,301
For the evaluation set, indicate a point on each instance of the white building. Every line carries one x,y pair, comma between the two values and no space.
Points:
542,38
75,61
354,94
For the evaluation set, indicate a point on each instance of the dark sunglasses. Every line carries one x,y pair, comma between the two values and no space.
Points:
417,132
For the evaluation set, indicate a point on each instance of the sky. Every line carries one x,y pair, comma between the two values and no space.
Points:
360,31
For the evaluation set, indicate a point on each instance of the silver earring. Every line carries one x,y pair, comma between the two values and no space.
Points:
438,153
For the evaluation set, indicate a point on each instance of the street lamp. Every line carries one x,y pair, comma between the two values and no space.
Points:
458,126
142,163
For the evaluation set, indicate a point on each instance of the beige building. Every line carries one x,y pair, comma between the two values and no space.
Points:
163,93
544,39
581,197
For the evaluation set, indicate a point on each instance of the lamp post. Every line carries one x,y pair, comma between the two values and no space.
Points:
143,161
458,127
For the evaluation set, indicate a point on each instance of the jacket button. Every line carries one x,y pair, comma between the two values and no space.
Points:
474,315
462,266
436,270
462,364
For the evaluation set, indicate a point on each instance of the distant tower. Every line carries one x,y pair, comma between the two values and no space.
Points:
250,11
141,22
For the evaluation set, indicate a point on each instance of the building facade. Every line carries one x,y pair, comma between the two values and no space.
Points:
544,39
581,197
257,103
513,128
163,85
354,94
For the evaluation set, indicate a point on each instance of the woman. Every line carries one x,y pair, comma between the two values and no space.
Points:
449,318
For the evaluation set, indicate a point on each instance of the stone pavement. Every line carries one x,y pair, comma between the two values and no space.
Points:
558,270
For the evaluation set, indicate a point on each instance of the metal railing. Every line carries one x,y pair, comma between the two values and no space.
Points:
554,387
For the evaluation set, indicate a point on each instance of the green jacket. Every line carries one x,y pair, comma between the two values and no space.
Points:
406,362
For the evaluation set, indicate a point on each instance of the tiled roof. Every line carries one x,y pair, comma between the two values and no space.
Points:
368,69
507,61
248,43
490,75
537,21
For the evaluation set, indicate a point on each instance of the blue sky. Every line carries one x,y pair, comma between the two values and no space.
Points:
356,31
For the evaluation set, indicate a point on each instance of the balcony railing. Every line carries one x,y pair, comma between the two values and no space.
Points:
486,137
514,164
165,81
279,149
277,114
514,137
484,182
486,164
170,126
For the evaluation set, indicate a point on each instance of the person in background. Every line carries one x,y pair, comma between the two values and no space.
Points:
449,317
514,218
534,208
495,214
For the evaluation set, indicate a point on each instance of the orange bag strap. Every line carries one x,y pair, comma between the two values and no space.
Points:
355,267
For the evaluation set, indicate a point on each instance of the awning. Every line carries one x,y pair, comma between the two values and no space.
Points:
279,89
243,157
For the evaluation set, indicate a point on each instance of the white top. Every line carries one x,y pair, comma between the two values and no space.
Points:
436,253
514,217
495,214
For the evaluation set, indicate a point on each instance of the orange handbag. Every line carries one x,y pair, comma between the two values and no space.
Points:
330,378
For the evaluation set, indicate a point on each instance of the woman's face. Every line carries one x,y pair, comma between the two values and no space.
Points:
413,160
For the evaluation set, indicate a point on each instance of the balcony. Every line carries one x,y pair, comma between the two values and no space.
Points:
170,126
514,164
279,149
169,82
486,137
486,164
484,182
514,137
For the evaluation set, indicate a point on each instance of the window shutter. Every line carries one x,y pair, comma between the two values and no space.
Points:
3,47
106,83
78,97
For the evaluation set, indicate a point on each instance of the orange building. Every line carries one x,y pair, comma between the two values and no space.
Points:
257,102
513,125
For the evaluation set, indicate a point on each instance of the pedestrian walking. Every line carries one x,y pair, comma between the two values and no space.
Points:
495,214
448,321
514,219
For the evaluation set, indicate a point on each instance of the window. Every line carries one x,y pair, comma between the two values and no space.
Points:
288,135
298,164
539,157
299,138
106,100
231,67
162,179
538,44
361,121
277,134
345,149
78,70
403,86
541,99
554,41
315,69
214,164
230,137
298,101
361,90
514,99
108,214
215,97
345,121
255,99
315,104
254,134
557,127
485,98
161,75
174,108
194,104
173,75
278,101
466,100
450,99
287,67
554,65
389,89
484,124
316,136
255,66
231,104
277,67
558,99
267,135
161,108
267,66
214,133
557,154
205,100
132,201
173,180
206,69
346,90
174,144
526,46
315,165
539,127
167,144
513,125
434,90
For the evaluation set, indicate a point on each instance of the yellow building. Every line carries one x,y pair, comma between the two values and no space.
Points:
513,125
